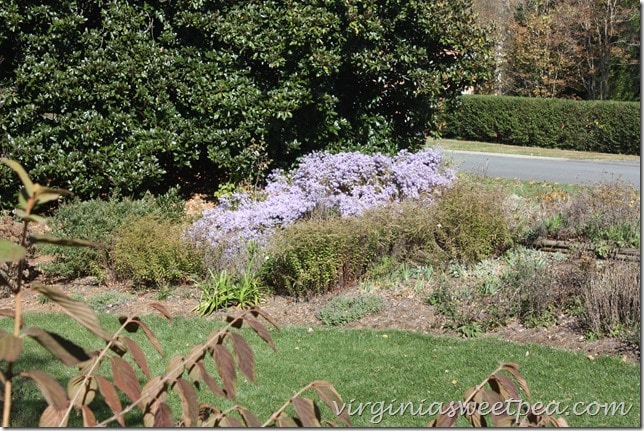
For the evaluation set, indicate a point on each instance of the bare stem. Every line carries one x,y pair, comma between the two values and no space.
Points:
17,323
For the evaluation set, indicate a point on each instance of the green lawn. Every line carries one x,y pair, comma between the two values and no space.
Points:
366,366
486,147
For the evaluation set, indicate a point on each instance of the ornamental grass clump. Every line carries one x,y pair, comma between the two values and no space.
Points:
343,184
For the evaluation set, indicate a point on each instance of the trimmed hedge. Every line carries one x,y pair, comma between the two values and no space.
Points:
603,126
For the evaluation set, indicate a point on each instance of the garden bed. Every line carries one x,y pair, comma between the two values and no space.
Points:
403,310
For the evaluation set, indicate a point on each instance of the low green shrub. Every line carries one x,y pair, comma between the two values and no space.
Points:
471,223
97,220
150,250
319,255
316,256
345,309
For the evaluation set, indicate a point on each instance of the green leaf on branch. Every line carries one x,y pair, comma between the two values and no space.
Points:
24,177
11,252
46,194
30,217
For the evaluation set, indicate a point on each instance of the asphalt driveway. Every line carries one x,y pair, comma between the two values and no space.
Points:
566,171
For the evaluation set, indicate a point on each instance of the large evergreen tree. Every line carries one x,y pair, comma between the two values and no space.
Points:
124,94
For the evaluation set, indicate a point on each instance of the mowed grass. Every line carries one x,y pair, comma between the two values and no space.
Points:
522,188
366,366
486,147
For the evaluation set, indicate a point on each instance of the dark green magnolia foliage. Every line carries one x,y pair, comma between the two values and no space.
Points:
138,95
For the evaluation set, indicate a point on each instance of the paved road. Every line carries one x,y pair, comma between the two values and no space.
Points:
567,171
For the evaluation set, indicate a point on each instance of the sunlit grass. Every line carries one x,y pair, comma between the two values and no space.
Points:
364,366
486,147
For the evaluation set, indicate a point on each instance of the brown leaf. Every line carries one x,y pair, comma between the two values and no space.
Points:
285,421
502,420
80,391
89,420
52,418
498,409
161,309
492,397
148,418
255,311
245,356
153,339
226,369
194,375
77,310
443,421
175,368
469,394
125,378
118,347
163,417
513,369
52,390
308,411
111,397
189,402
237,322
209,381
10,347
131,323
249,418
89,366
261,331
332,399
197,353
138,355
504,386
477,420
209,415
230,422
152,393
67,351
558,422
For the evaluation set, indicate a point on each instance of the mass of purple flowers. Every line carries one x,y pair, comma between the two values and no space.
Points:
346,183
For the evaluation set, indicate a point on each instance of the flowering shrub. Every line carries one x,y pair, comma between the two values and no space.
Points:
345,183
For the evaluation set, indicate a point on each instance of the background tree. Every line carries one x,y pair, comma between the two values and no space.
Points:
541,58
585,49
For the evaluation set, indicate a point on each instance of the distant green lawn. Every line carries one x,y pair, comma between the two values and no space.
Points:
366,366
486,147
